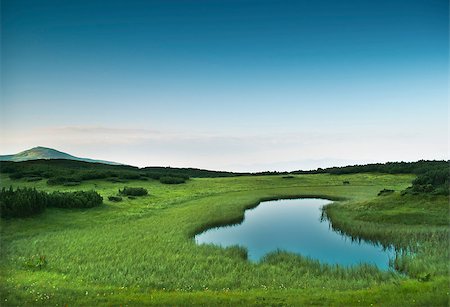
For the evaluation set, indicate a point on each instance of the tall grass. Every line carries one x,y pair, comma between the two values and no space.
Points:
417,226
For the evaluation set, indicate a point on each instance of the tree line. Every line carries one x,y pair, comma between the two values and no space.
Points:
417,167
432,176
69,173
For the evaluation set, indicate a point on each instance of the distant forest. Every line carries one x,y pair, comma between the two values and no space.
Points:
418,167
432,176
70,172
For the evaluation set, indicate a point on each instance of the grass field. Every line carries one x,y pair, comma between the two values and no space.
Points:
142,251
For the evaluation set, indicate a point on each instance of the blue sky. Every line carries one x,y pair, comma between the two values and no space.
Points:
235,85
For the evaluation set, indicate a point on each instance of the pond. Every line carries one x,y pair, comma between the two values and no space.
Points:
296,226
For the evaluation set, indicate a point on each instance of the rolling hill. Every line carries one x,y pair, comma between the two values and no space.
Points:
44,153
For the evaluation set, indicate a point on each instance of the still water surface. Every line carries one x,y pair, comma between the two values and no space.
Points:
296,226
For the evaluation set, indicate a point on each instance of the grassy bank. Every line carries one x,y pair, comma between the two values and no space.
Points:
142,250
416,224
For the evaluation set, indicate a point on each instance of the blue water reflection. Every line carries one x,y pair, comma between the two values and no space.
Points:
296,226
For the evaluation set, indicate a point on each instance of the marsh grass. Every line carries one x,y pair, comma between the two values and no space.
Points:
417,226
142,251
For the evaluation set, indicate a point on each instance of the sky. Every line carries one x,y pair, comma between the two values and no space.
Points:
227,85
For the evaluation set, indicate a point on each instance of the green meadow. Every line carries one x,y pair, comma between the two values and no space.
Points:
141,251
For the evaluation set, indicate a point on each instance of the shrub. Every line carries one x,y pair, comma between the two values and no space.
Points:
133,191
77,199
423,188
71,184
385,192
158,176
17,175
93,175
62,181
8,168
172,180
155,176
115,198
27,202
130,176
442,190
21,202
114,179
33,179
47,174
434,180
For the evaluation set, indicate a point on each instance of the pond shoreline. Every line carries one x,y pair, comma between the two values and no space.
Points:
302,227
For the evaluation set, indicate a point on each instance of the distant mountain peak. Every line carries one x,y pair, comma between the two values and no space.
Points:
42,148
46,153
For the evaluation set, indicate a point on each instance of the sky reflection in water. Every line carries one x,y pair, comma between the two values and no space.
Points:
295,226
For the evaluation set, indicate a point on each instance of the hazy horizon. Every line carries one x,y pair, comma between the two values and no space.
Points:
227,85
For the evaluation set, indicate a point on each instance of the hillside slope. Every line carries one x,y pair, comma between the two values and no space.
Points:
45,153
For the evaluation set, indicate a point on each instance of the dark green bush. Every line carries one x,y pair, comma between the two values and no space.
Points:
434,180
77,199
90,175
385,192
442,190
115,198
7,168
71,184
22,202
133,191
60,180
114,179
422,188
27,202
47,174
155,176
17,175
129,175
171,180
33,179
434,177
